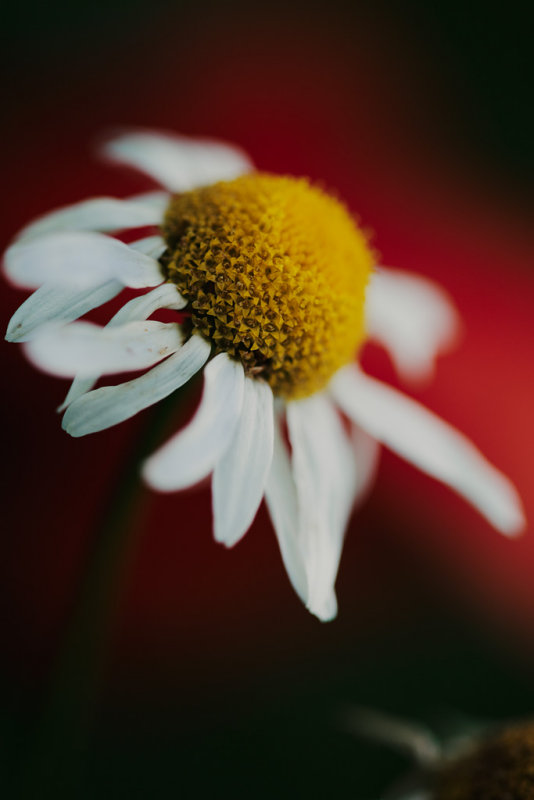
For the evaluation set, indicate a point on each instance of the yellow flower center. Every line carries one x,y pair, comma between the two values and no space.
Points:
274,271
501,767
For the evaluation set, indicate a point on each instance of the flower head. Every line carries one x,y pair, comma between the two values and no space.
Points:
492,763
277,288
496,766
275,272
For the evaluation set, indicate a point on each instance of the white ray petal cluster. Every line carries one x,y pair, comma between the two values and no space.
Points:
137,309
99,409
192,454
312,460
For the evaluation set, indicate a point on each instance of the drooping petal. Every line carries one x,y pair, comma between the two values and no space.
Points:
325,474
99,214
79,260
139,308
110,405
51,303
434,446
412,317
192,454
178,162
240,475
282,502
82,348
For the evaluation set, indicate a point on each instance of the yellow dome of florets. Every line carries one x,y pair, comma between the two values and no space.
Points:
274,271
499,768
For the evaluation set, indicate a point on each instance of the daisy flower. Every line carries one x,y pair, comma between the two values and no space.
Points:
490,763
276,288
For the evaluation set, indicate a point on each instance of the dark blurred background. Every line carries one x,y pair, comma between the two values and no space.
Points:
204,676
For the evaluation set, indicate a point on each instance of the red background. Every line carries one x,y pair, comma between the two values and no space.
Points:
358,102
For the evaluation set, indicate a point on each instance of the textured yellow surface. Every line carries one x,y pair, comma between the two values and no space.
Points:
501,768
275,272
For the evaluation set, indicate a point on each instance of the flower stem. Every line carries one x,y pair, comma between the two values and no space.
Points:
65,727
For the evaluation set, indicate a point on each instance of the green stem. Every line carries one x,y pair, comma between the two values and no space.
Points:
65,728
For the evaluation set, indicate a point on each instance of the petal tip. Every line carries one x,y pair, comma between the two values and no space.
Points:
516,523
225,540
508,515
69,425
13,333
227,535
153,476
325,610
147,473
68,429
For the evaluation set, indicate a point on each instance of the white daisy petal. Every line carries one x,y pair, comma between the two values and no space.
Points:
192,454
51,303
177,162
110,405
437,448
82,348
282,502
98,214
156,199
139,308
79,260
240,475
366,453
153,246
325,472
166,295
412,317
